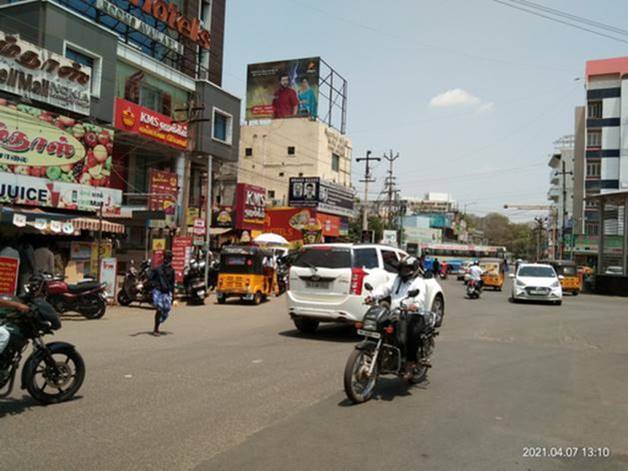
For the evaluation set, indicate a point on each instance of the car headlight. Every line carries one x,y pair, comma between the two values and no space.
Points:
556,284
520,283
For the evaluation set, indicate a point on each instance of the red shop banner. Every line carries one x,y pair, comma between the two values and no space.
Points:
181,255
140,120
164,189
291,222
250,211
9,268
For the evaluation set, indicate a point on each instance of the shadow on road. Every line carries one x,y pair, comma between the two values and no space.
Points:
10,407
150,333
388,389
332,333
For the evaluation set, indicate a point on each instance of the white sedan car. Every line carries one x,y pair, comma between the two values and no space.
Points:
536,282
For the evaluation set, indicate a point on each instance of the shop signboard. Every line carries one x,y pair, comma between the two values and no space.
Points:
148,123
250,212
313,192
159,244
181,255
290,223
41,192
9,269
80,250
199,227
31,72
108,268
164,188
61,149
390,237
283,89
222,217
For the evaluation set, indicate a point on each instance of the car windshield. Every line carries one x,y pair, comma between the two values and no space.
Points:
324,257
537,272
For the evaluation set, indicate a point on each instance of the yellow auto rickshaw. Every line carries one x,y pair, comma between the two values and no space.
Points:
493,275
567,272
246,272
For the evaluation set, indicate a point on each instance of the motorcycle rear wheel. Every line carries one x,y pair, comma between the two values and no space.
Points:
93,307
123,298
355,374
40,377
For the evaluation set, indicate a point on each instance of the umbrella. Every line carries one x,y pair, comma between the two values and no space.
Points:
270,239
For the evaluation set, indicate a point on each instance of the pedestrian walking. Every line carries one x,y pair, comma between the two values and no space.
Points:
162,280
436,267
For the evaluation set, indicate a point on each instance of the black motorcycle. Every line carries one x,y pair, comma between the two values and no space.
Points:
473,288
53,372
384,349
136,285
194,282
283,274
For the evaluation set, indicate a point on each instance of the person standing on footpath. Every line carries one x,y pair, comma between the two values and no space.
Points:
162,280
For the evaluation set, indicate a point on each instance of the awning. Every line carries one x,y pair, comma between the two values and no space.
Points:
92,224
219,230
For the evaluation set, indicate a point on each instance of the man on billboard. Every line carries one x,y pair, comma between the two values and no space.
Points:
285,100
310,191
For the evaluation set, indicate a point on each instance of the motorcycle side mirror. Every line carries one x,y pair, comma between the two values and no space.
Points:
368,287
413,293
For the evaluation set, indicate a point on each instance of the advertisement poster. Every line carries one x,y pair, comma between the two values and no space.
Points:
283,89
222,217
390,238
181,255
31,72
159,244
139,120
106,249
9,268
250,209
46,145
164,185
108,268
312,192
290,223
80,250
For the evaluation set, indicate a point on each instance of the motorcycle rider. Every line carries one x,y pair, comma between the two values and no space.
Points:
475,273
5,335
398,288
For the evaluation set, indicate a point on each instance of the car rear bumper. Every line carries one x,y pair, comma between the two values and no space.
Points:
350,310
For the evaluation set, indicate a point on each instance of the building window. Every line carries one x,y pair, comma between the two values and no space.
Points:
592,228
281,174
291,150
152,98
335,162
594,110
223,126
88,59
248,152
593,168
271,194
594,138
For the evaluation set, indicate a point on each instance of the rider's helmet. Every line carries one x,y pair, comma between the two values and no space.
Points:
408,266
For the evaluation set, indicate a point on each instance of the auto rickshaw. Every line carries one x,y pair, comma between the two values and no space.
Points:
493,273
246,272
567,272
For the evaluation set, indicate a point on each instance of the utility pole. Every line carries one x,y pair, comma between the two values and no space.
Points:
390,186
564,173
539,237
367,179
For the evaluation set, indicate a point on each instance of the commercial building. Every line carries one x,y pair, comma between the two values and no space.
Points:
138,85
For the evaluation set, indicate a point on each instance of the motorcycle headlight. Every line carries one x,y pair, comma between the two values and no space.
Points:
556,284
520,283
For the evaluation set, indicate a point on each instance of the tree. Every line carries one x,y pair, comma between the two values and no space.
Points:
518,238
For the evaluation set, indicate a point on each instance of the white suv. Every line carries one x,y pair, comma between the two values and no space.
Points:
327,282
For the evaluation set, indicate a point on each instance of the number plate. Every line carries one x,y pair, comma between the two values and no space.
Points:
368,333
538,291
317,284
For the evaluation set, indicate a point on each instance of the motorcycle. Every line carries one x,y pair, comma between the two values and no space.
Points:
136,285
473,288
53,372
194,282
283,274
85,297
383,350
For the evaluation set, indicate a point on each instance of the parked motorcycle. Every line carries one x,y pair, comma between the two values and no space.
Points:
53,372
85,297
136,285
473,288
384,349
194,282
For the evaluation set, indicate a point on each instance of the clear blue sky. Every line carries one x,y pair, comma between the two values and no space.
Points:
510,78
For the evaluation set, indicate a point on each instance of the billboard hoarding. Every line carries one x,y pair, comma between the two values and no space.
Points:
283,89
42,144
163,187
313,192
31,72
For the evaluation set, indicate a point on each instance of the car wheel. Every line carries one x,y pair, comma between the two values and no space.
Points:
306,326
558,303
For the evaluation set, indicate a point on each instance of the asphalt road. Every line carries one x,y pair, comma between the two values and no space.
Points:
236,388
